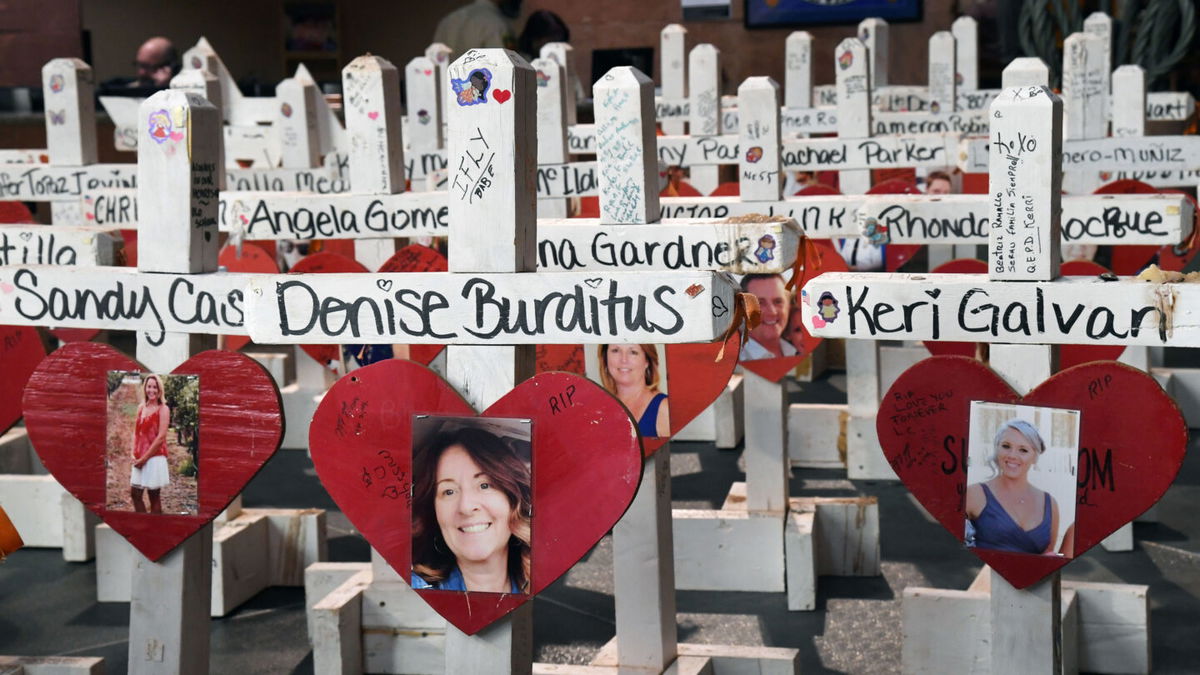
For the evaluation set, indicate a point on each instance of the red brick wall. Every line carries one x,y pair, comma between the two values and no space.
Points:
602,24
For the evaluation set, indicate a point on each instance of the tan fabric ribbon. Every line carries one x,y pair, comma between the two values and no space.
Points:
808,259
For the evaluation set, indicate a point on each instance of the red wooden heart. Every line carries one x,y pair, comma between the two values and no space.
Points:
21,351
252,258
1068,355
694,377
66,414
586,466
1132,441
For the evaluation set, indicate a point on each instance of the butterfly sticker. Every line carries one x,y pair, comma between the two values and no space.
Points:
57,117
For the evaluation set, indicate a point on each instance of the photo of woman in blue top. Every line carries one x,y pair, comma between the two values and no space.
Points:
1007,513
472,508
632,373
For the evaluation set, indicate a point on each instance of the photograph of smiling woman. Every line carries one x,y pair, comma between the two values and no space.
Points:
472,504
1021,492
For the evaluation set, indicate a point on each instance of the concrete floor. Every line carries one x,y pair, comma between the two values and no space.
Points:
48,607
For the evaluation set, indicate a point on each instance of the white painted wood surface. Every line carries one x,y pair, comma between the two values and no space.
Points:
853,73
423,91
673,70
563,54
498,226
731,550
628,170
1091,219
766,445
1085,98
578,243
551,131
371,95
873,33
58,245
759,174
299,133
1025,71
1025,185
179,180
68,91
943,71
1129,101
487,308
644,573
797,82
704,87
48,183
966,42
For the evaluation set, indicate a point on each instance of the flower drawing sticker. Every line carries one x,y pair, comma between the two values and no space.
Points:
196,62
56,82
935,107
473,90
766,249
754,154
846,59
285,109
875,231
423,116
542,78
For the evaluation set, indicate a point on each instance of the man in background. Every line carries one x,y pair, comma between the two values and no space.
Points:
156,63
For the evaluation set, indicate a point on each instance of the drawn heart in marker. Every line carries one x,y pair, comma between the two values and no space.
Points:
694,378
583,442
924,425
593,283
428,72
7,287
89,216
66,410
384,285
373,115
417,258
502,95
26,236
817,322
934,293
21,350
720,309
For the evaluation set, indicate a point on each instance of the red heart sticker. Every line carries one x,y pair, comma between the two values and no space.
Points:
502,95
693,379
66,413
253,259
21,351
550,441
1068,355
1130,444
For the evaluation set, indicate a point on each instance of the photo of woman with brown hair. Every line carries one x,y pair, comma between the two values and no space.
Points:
472,512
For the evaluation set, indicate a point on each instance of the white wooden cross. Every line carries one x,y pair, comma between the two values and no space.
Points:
492,307
1041,310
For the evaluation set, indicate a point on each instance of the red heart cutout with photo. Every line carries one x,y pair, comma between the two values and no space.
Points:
66,413
1068,355
21,350
1132,439
586,464
252,259
695,378
774,368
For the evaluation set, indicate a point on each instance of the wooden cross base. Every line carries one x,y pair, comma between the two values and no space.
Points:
715,549
52,665
253,549
48,515
1105,628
